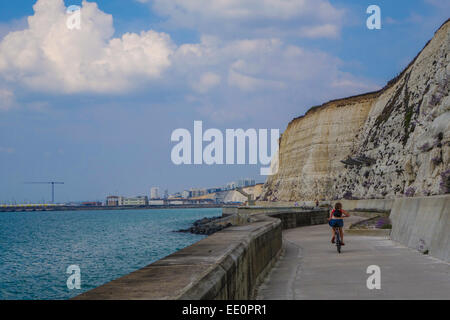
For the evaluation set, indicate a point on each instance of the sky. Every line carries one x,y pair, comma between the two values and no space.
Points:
95,107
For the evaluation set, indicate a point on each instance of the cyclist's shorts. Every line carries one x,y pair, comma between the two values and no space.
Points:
336,223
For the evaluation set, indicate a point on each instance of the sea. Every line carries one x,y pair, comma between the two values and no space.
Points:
38,250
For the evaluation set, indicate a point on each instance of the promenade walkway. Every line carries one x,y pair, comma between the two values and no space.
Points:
311,268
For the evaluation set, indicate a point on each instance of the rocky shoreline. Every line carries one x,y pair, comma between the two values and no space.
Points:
207,226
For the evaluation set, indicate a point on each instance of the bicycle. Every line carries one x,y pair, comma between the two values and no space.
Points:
337,238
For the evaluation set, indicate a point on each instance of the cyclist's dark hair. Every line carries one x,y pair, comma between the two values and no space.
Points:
338,206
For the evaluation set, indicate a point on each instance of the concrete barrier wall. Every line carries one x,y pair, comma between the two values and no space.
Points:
423,224
227,265
228,211
294,219
369,204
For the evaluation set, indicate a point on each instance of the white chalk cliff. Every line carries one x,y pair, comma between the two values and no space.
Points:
401,132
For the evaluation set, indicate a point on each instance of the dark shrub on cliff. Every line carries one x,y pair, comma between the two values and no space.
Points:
410,192
348,195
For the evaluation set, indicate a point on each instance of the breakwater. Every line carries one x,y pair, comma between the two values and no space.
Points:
227,265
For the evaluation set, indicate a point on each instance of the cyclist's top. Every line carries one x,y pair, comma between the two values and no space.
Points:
336,213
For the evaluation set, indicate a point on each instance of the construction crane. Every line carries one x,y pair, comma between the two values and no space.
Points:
48,182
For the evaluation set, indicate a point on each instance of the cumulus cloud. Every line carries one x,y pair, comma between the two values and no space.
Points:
249,83
13,25
230,76
207,81
262,64
302,18
320,31
260,73
49,56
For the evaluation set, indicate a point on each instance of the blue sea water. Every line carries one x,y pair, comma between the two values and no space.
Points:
37,247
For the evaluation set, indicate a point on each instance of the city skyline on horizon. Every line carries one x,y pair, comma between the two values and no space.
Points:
47,198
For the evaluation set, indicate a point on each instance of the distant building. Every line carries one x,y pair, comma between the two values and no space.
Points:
166,194
231,185
91,204
176,201
213,190
154,193
186,194
112,201
241,183
159,202
135,201
249,182
175,195
197,192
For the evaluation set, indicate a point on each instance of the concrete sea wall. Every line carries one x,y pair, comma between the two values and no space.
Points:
423,224
226,265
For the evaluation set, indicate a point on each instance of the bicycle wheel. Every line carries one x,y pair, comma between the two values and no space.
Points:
338,240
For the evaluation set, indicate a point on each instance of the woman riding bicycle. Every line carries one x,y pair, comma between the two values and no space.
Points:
336,220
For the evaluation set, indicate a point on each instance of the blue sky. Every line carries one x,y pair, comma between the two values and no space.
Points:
95,107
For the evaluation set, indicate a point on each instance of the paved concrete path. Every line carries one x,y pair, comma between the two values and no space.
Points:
311,268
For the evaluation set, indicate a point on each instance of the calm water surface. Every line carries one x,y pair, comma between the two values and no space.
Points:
37,247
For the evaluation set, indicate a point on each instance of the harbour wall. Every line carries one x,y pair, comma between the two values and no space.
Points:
226,265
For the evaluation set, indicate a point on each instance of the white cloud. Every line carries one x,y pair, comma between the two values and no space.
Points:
207,81
439,4
232,76
13,25
260,73
262,64
321,31
49,56
347,81
247,9
249,83
253,17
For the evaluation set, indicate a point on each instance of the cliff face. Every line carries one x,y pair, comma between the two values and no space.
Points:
404,128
